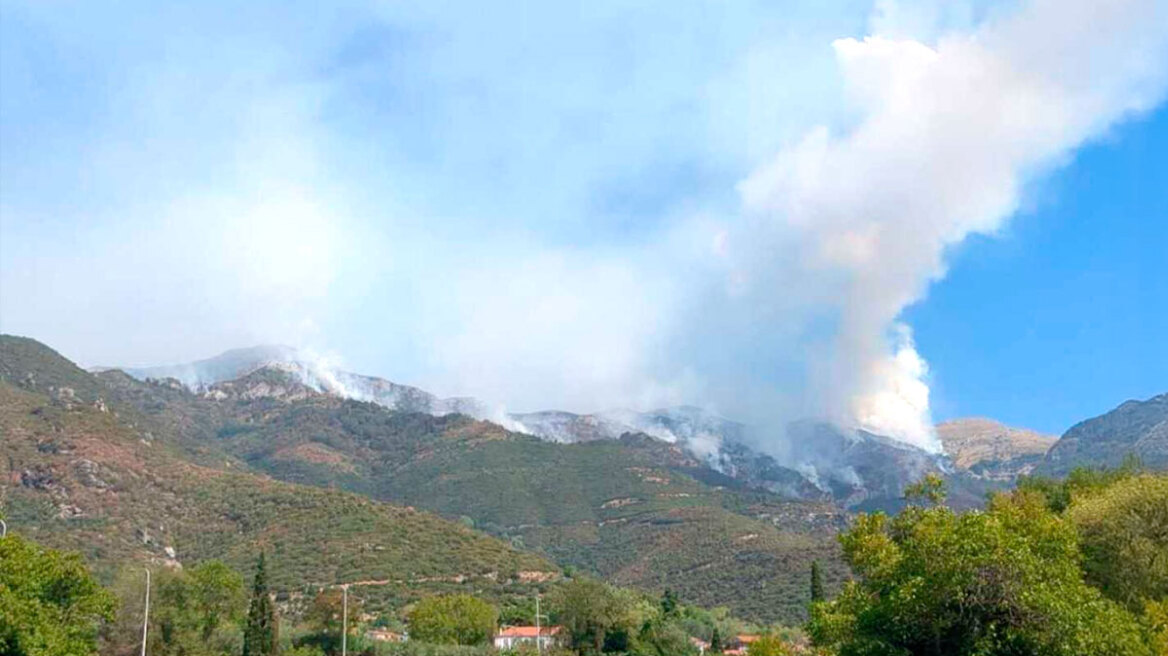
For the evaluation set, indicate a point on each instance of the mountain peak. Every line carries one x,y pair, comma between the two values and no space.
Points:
1134,428
973,440
274,380
228,365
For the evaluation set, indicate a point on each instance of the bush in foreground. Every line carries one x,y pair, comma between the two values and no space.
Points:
1004,581
49,603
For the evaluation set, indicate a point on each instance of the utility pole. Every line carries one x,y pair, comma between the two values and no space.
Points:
538,630
344,619
146,614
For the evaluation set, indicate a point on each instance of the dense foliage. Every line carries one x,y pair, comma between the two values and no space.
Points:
769,645
52,606
595,615
49,603
599,618
331,613
453,620
642,523
1006,580
195,611
1123,533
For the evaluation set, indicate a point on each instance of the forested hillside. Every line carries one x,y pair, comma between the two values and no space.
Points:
636,510
128,469
82,474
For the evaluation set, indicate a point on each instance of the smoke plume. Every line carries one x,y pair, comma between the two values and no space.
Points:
855,224
536,206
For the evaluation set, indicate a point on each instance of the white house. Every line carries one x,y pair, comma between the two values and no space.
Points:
512,637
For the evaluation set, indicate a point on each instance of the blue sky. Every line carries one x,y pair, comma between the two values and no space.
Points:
739,205
1063,316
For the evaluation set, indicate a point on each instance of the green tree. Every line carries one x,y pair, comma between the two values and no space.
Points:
769,645
669,603
929,489
592,612
1004,581
49,603
716,641
123,636
259,635
220,596
324,618
663,636
1123,533
453,620
192,612
304,650
1081,482
816,582
1156,622
517,610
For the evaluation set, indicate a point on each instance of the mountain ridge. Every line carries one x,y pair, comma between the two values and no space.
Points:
989,449
635,510
92,474
721,443
1135,428
731,526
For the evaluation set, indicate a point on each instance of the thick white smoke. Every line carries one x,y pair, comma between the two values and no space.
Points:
446,242
946,140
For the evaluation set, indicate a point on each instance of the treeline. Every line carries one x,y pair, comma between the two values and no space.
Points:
1074,567
1071,567
51,605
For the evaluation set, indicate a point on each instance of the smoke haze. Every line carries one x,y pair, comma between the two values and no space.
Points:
736,215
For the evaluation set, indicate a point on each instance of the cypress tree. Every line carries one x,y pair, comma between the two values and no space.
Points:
816,582
669,603
259,637
716,642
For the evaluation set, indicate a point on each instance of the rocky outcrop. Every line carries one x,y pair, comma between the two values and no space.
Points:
92,474
269,382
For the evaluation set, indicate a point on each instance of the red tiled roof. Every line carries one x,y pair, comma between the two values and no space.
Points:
527,631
